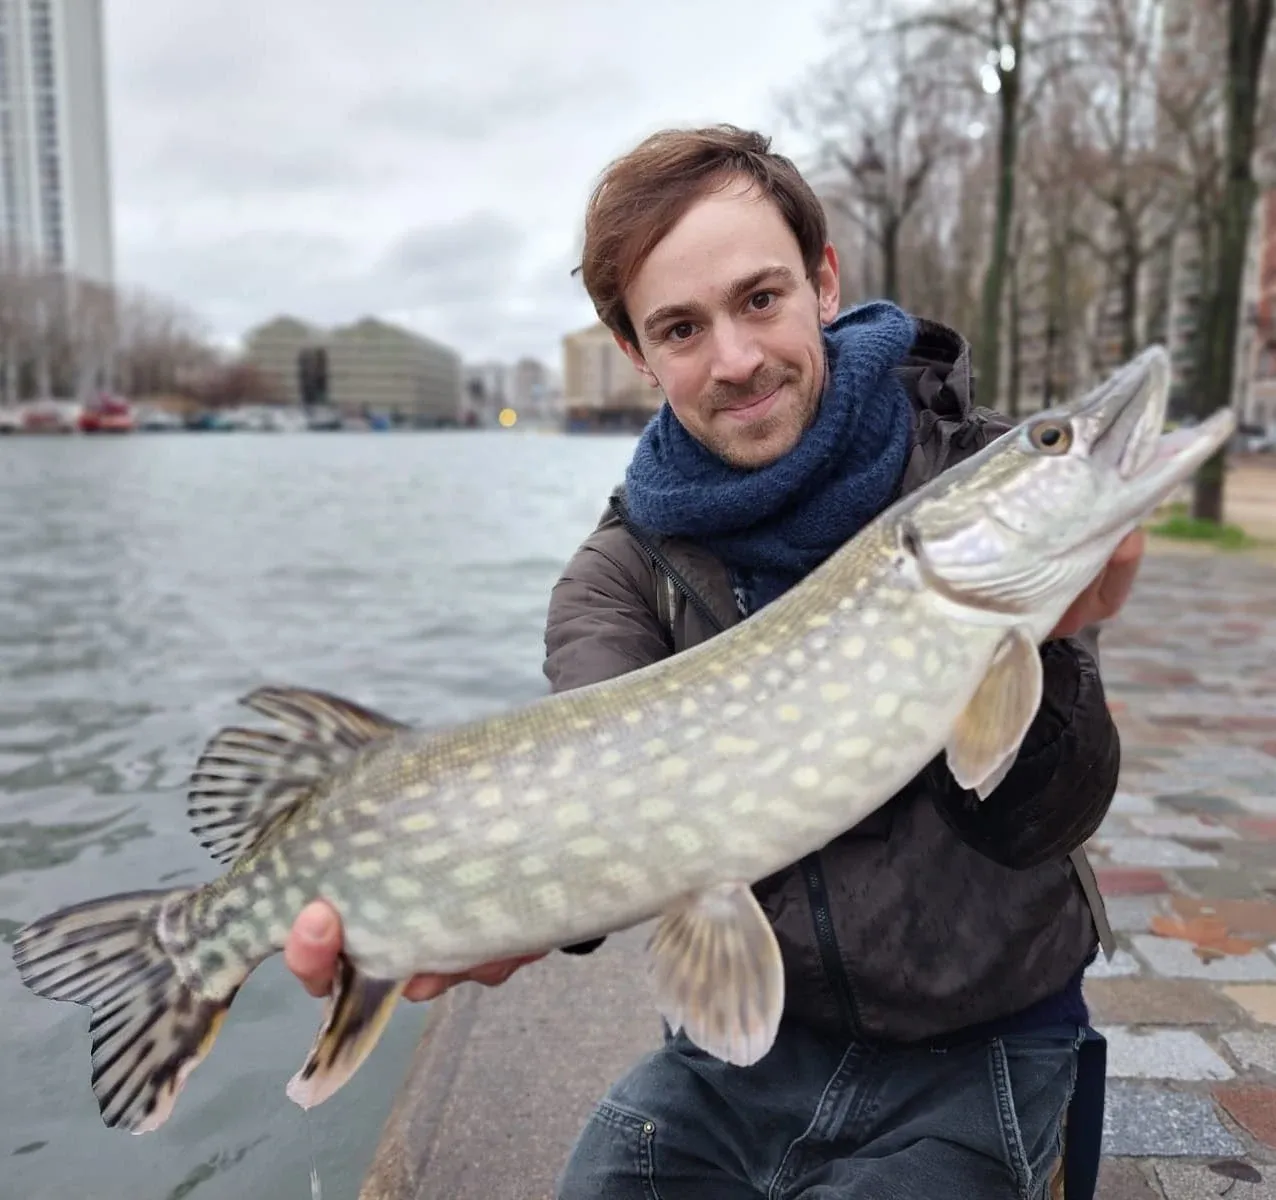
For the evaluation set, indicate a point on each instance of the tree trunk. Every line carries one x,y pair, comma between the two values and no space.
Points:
989,361
1016,347
1247,40
890,258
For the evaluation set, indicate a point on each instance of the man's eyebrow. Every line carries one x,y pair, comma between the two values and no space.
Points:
740,288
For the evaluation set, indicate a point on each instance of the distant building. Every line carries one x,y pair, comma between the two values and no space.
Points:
275,349
55,177
371,366
383,368
487,391
600,383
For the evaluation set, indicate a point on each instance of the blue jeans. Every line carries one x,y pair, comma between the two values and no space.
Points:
982,1121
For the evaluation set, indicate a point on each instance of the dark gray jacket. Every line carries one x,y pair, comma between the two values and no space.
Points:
936,913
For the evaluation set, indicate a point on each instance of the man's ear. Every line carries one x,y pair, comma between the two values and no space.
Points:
828,285
635,356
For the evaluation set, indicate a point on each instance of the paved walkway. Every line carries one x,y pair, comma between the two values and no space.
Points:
1187,859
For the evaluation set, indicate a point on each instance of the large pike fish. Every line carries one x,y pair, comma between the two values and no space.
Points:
664,793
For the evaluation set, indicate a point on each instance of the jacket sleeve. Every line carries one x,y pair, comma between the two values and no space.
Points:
1058,792
601,623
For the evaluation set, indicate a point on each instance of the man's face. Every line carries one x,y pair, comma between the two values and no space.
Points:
730,327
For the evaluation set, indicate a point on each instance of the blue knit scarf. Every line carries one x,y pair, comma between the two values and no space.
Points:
774,525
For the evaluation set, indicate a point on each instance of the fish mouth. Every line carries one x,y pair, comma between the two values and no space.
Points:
1122,425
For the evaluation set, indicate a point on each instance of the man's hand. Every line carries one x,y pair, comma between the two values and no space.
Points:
1105,597
315,941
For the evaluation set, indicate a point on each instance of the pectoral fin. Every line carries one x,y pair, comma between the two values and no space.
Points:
717,973
986,738
357,1012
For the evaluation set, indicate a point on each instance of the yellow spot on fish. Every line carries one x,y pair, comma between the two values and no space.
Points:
812,741
533,864
278,864
416,791
831,693
373,909
806,777
870,616
734,745
876,672
710,785
535,795
795,659
618,789
745,803
588,847
684,838
526,746
656,809
740,682
734,710
369,808
321,850
789,713
818,621
364,868
367,837
403,888
633,716
627,876
854,747
886,704
563,764
481,770
656,746
475,873
688,708
313,825
901,647
674,768
520,770
931,663
883,757
418,822
263,908
503,833
552,897
853,647
583,723
916,714
431,852
773,762
762,649
294,898
488,797
609,758
692,732
569,815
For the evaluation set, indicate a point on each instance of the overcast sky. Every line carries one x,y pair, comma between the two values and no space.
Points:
423,161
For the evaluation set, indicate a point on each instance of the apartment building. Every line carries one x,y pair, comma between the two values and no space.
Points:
55,179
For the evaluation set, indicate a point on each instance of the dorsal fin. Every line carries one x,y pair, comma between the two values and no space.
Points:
246,779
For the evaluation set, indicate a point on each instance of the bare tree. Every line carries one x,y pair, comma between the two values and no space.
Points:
883,126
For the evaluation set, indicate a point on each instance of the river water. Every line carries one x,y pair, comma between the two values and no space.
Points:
145,583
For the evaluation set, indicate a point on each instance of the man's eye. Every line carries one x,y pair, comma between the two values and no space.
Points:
681,330
762,300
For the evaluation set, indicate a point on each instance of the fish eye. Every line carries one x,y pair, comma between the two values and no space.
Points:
1054,437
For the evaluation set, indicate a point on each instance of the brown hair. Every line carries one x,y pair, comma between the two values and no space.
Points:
642,195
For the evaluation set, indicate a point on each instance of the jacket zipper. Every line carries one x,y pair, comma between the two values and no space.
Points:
812,869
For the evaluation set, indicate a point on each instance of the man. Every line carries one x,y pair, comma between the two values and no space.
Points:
934,954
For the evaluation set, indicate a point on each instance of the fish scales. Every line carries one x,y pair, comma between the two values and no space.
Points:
664,793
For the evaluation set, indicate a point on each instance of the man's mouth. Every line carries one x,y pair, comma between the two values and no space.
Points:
753,408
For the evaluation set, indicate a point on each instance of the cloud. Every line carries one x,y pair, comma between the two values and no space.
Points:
406,158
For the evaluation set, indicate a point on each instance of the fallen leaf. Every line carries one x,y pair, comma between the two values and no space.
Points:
1233,1168
1208,935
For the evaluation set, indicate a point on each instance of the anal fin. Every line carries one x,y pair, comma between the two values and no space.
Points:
987,735
357,1012
717,973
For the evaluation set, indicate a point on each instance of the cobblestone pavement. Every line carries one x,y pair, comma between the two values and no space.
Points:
1187,861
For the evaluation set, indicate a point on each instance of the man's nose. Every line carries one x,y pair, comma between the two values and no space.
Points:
736,354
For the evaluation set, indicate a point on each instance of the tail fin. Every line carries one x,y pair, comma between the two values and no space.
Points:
150,1029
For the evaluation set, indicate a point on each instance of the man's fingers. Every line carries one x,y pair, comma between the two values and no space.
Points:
312,947
429,987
